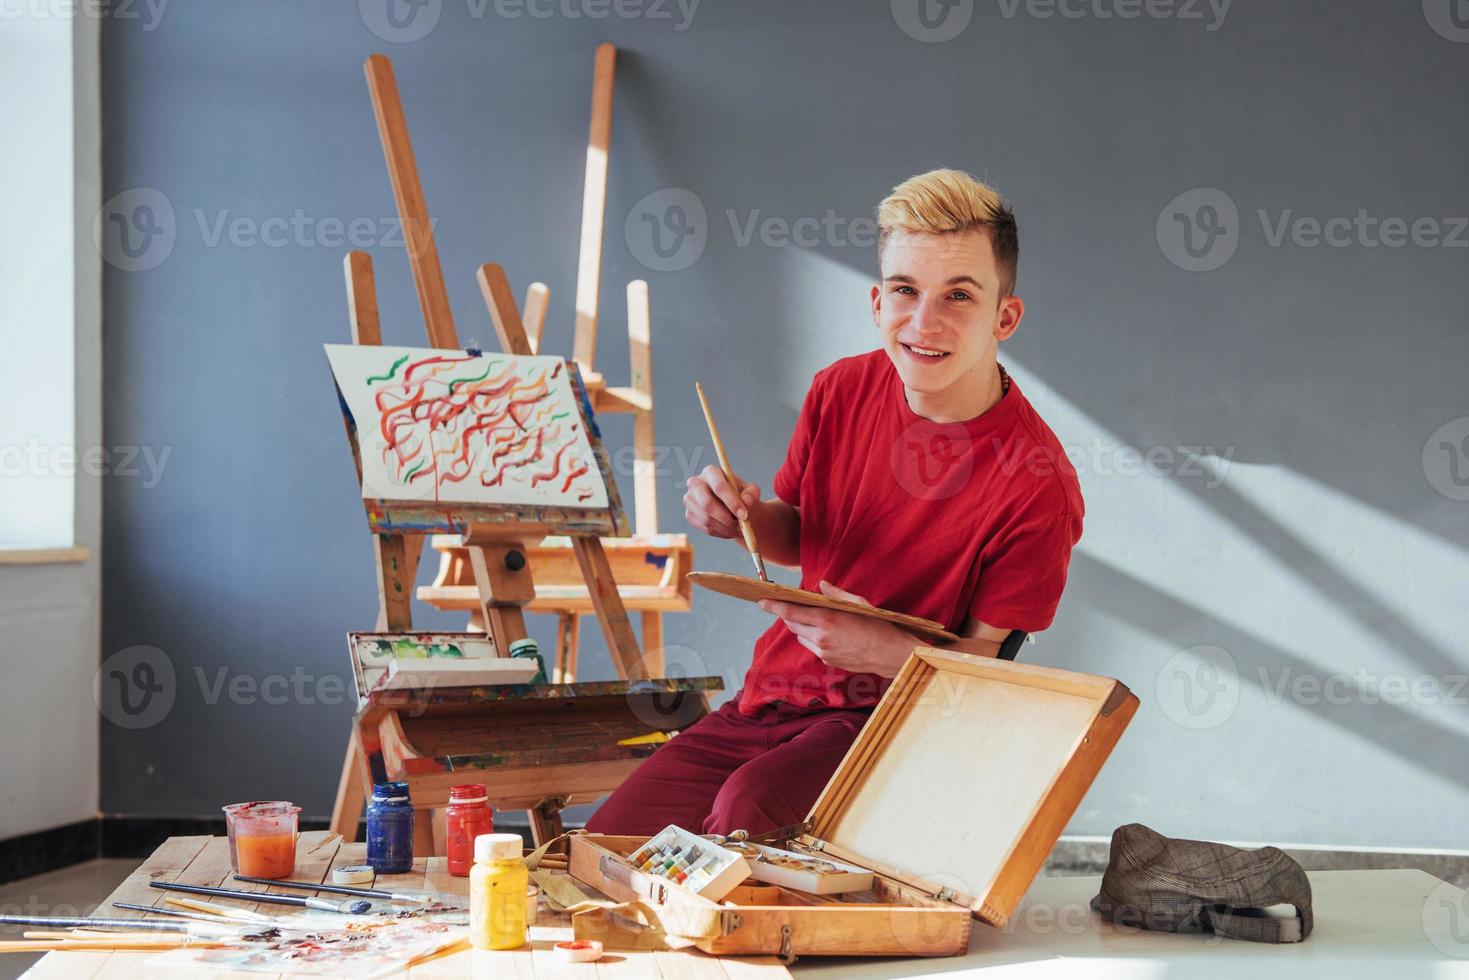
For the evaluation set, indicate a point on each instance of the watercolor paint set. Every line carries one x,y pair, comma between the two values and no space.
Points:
695,862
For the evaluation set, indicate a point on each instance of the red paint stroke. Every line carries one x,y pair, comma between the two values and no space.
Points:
441,424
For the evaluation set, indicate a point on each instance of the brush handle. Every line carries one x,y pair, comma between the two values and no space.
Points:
319,887
81,922
746,528
172,886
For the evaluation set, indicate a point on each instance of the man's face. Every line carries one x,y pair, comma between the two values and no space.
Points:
938,309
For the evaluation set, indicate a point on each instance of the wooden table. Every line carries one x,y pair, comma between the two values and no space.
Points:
205,861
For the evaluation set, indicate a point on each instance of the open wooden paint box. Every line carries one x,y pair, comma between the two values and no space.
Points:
953,794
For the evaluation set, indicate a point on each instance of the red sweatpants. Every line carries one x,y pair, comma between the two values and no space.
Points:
734,772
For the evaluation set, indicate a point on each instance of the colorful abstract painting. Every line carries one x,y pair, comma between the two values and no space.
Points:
467,427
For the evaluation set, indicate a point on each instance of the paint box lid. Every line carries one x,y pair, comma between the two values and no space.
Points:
1000,754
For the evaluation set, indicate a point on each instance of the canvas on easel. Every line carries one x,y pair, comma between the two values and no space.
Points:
449,438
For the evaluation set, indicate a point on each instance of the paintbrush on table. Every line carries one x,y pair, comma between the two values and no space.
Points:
357,907
417,898
746,528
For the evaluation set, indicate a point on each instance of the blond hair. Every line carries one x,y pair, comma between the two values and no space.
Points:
943,201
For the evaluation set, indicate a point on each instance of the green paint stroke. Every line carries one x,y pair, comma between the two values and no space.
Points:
559,415
391,371
409,474
489,366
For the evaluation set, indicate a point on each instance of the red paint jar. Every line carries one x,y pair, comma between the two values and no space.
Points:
468,816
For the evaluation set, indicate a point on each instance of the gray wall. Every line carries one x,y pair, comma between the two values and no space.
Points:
1296,516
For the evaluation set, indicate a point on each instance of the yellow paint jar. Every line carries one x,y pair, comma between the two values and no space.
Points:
497,889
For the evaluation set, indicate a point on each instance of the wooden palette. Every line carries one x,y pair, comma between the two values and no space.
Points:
754,590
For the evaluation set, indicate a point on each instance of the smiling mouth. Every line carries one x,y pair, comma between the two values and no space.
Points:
925,353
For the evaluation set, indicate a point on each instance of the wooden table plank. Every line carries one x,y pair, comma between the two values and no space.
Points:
688,966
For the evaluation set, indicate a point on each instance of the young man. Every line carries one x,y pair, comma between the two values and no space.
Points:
918,479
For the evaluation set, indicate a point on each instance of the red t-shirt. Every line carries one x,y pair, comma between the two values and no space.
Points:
944,521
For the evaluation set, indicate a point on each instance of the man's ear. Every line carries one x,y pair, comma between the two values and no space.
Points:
1012,309
876,305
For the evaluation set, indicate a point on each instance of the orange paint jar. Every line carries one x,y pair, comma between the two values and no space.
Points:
265,843
267,856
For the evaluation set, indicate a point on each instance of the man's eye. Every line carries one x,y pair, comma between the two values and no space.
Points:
959,294
906,291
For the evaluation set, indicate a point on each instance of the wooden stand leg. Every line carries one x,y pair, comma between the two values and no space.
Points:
423,832
352,792
545,821
607,601
652,643
568,643
394,582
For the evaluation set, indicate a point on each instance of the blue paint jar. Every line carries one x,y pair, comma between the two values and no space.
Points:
390,829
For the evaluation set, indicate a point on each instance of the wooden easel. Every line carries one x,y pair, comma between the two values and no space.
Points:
651,567
494,540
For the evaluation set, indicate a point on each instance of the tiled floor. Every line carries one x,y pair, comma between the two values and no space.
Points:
76,890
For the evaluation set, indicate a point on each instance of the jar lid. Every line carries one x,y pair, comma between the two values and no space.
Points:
469,793
525,644
390,792
498,847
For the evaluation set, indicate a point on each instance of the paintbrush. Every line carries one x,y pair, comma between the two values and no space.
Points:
121,940
746,528
198,930
357,907
417,898
247,927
